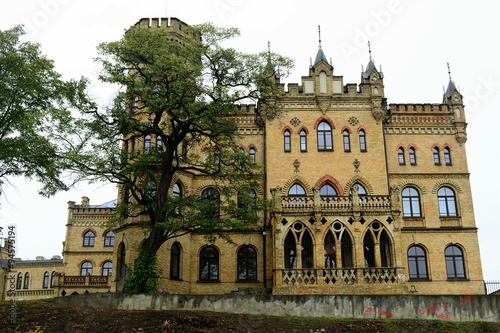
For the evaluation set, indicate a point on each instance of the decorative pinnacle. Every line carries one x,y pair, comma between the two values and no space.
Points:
449,71
268,47
319,34
370,50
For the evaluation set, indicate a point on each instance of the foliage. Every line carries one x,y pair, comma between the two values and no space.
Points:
35,114
144,276
177,114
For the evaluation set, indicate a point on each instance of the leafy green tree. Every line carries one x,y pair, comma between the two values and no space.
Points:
182,90
35,114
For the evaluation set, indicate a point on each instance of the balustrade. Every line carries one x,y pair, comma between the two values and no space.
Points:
342,276
334,203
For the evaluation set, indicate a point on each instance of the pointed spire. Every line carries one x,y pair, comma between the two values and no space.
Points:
451,85
370,50
320,55
371,65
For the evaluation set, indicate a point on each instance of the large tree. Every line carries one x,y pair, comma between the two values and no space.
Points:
35,104
181,89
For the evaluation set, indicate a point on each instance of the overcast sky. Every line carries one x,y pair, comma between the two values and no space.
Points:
412,41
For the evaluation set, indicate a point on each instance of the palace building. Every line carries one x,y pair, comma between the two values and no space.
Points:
368,197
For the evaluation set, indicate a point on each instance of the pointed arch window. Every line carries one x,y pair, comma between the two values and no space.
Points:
325,141
346,250
417,263
413,156
26,284
159,144
175,261
107,268
52,279
247,264
385,249
89,239
347,141
209,264
329,250
296,190
411,202
251,153
303,140
369,250
19,282
362,141
401,156
307,254
86,268
109,239
121,263
361,189
377,236
287,141
455,268
435,154
212,199
447,202
327,190
45,284
290,251
447,156
177,196
147,143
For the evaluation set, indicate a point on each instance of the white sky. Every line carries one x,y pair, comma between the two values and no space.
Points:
412,40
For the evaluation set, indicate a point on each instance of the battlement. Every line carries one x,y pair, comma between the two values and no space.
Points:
171,23
247,108
422,107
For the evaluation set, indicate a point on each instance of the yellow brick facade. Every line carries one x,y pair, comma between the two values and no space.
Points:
385,241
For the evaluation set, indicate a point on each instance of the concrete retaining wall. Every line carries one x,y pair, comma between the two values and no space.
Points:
453,308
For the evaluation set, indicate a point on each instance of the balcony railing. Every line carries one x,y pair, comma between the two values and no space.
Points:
366,203
82,281
341,276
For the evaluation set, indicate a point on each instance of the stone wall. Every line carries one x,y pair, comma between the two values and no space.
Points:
452,308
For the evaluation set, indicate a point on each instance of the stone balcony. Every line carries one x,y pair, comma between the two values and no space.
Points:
339,280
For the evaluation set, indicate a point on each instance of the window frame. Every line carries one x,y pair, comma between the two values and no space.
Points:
413,201
401,156
362,141
26,283
417,263
247,264
45,283
252,154
175,261
105,270
436,156
287,141
325,136
303,140
412,154
451,261
212,194
211,262
89,239
346,140
447,156
85,269
147,143
109,239
447,203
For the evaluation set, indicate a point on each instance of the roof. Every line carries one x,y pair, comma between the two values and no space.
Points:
109,204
